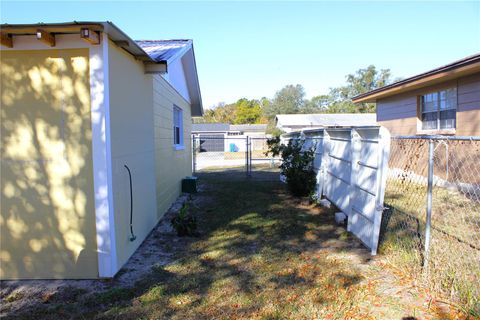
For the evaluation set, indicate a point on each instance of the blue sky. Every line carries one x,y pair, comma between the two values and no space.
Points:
253,49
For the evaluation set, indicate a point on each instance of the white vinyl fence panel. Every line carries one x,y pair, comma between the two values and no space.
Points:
315,141
351,165
338,167
370,152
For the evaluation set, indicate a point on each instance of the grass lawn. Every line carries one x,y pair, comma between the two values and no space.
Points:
454,268
261,254
260,154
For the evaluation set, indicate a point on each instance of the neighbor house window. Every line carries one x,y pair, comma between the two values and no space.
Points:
439,110
177,127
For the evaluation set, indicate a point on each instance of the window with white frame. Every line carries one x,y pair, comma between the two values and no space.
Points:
439,110
177,127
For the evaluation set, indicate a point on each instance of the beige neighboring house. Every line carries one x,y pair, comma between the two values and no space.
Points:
443,101
82,105
298,122
226,129
251,130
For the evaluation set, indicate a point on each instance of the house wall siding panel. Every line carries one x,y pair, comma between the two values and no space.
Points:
171,165
132,144
469,84
468,123
399,113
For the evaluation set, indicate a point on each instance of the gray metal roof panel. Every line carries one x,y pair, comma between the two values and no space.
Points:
210,127
164,50
248,127
327,119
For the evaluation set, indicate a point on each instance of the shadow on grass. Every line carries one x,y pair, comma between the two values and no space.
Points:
261,254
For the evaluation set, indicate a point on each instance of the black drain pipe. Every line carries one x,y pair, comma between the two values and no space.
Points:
132,236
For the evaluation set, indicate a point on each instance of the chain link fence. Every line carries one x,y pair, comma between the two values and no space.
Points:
431,222
232,154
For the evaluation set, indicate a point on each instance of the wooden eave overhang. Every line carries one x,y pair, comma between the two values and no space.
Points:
464,67
10,31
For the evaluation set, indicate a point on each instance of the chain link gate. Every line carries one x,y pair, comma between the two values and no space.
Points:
240,154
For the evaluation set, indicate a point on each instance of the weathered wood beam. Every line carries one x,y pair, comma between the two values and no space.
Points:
46,37
121,43
7,40
144,58
90,36
155,68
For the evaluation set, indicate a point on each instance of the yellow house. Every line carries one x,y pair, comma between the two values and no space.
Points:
95,134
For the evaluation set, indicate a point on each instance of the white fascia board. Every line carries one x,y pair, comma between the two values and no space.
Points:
191,76
197,82
102,160
180,53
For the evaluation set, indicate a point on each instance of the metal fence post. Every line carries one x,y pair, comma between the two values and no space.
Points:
194,154
246,156
249,156
428,221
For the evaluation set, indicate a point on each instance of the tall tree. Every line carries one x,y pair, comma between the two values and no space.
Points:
318,104
221,113
247,111
363,80
243,111
289,99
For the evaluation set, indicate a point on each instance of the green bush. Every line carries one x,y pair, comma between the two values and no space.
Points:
184,222
297,165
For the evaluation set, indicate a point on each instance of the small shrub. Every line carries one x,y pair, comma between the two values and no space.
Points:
297,165
184,222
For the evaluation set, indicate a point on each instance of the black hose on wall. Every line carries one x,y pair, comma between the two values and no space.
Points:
132,236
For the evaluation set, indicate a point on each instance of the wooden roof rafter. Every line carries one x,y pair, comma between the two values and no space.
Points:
90,36
6,40
46,37
46,33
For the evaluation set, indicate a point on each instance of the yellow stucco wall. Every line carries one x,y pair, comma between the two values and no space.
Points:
141,122
171,165
47,221
131,132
